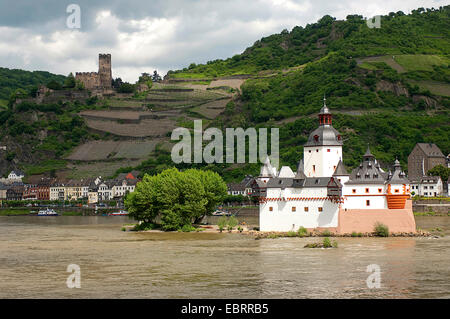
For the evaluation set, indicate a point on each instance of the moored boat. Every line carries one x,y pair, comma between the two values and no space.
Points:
47,212
119,213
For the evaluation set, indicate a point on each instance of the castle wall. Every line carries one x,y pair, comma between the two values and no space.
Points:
282,218
363,220
90,80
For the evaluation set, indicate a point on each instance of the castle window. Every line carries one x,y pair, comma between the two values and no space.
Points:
314,168
294,208
270,209
367,202
317,150
379,190
306,209
334,168
396,191
328,150
320,209
354,191
367,190
309,151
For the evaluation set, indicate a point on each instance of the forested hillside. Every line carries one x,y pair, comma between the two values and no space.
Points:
389,87
13,79
425,31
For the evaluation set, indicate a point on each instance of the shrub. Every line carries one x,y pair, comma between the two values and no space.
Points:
291,234
381,230
145,226
240,229
335,244
302,232
326,233
187,228
327,242
355,234
123,229
232,222
222,223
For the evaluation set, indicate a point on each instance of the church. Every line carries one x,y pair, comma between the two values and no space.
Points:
322,195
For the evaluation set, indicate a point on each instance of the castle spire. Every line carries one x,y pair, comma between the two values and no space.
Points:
324,114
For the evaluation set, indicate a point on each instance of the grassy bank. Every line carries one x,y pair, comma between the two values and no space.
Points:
14,212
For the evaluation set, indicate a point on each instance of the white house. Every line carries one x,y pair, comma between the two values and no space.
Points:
321,190
16,175
428,186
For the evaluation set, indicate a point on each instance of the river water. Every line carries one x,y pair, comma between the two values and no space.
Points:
35,253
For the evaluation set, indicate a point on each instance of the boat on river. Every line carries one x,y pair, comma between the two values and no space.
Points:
119,213
47,212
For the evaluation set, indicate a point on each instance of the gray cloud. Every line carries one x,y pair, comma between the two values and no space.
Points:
143,35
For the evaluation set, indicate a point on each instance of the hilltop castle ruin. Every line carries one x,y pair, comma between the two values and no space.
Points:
100,80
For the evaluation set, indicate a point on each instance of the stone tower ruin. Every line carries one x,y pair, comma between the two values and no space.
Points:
104,70
100,80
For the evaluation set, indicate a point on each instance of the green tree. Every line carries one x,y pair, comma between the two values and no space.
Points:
176,198
215,189
440,170
69,82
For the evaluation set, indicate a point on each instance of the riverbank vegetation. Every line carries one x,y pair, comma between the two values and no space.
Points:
175,199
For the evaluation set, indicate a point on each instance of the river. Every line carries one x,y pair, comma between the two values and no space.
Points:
35,252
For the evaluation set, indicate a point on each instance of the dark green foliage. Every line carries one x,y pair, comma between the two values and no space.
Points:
440,170
126,88
381,230
54,85
69,82
12,79
176,198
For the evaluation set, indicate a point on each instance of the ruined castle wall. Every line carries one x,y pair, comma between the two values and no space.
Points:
91,80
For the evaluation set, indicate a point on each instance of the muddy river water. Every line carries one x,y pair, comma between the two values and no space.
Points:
35,253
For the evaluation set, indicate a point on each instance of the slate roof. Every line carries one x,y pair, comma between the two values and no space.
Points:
340,170
430,149
298,183
368,171
327,135
427,180
398,177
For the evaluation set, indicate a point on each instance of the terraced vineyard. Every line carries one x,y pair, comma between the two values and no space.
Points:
141,123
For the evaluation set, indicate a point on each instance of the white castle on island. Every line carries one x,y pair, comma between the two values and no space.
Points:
322,195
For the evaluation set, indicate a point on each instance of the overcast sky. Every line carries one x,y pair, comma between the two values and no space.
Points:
144,35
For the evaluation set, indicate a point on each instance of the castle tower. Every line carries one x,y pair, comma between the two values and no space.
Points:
104,70
323,150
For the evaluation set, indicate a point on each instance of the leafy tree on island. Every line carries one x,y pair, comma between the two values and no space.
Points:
176,198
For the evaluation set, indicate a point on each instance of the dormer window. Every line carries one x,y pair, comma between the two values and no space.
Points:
339,137
375,175
316,138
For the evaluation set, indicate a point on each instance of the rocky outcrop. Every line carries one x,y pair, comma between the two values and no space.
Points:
396,88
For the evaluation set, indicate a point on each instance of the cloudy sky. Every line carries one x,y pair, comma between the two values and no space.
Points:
143,35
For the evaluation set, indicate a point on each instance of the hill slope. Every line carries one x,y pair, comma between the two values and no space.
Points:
389,87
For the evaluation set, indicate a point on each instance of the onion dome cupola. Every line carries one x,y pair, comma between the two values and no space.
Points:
325,134
398,176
